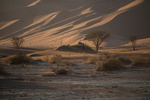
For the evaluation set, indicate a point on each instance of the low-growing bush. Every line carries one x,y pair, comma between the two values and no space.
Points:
66,62
55,58
52,58
92,60
109,65
18,59
61,69
124,60
137,60
97,58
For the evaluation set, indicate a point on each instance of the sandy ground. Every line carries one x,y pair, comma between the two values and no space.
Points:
32,82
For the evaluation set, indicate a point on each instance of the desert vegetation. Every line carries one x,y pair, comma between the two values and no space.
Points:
18,58
17,42
59,70
76,48
97,37
139,60
133,39
52,58
109,65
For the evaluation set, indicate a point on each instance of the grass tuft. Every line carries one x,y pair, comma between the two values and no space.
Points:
52,58
109,65
61,69
124,60
138,60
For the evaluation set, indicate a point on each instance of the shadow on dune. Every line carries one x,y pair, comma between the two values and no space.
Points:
69,9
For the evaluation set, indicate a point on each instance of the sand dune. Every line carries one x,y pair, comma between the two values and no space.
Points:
34,3
45,23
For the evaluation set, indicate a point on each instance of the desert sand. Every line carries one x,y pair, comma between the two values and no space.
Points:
45,23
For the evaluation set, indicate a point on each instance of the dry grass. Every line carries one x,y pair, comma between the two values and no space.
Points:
52,58
18,59
137,60
99,57
61,69
124,60
66,62
109,65
92,60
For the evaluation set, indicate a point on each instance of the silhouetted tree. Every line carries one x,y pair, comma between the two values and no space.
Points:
133,39
17,42
97,37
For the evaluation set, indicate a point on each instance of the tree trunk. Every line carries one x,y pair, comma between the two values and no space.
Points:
97,48
133,47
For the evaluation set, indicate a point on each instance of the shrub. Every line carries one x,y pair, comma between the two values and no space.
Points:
55,58
100,57
137,60
61,70
67,63
52,58
76,48
109,65
18,59
92,60
124,59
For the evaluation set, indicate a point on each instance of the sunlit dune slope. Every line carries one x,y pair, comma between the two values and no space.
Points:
50,23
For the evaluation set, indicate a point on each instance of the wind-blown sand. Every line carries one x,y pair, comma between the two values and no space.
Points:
45,23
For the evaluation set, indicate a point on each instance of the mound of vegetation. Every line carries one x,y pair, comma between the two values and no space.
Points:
109,65
76,48
108,62
18,58
139,60
52,58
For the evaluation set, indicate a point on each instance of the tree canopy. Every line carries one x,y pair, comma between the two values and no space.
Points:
97,37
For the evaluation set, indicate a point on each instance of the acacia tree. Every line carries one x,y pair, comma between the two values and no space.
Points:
133,39
97,37
17,41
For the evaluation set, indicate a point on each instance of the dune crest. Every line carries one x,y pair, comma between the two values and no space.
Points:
34,3
6,24
50,23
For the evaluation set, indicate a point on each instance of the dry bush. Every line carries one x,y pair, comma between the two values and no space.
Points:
97,58
109,65
92,60
66,62
61,70
124,60
18,58
137,60
52,58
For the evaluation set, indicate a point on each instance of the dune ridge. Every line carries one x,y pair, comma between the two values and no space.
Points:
34,3
66,25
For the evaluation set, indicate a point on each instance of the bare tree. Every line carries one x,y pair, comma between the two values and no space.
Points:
17,42
97,37
133,39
